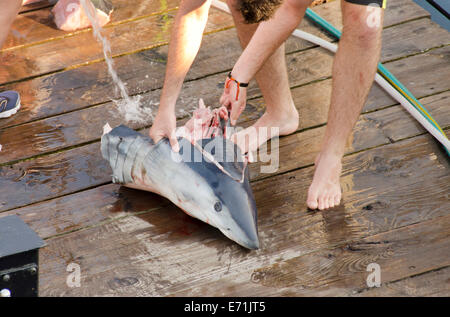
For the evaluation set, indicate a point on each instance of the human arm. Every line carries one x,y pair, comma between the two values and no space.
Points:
267,38
184,45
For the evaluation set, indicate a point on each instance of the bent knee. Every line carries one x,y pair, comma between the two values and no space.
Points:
363,24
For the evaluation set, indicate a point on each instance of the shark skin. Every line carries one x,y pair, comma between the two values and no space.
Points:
216,192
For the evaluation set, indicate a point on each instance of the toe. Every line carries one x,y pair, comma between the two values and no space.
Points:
312,203
326,202
331,201
321,202
312,199
337,199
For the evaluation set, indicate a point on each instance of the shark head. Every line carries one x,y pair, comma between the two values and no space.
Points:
236,212
225,198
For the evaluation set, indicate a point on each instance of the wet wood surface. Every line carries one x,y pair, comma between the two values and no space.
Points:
72,168
45,135
396,204
34,6
434,283
52,56
42,100
351,235
38,26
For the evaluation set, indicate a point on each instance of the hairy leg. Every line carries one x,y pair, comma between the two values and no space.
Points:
273,82
354,70
8,12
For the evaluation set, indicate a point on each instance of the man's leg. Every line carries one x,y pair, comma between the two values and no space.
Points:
354,70
273,82
8,12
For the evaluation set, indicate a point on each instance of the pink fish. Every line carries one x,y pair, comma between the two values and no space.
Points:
70,16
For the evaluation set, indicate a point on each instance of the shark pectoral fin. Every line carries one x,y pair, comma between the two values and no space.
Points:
226,154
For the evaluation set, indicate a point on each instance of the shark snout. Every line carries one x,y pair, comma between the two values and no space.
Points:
247,236
240,223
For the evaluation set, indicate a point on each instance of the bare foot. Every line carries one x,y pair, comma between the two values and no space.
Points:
268,126
325,190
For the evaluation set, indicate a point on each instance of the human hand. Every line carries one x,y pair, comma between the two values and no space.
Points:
164,126
234,98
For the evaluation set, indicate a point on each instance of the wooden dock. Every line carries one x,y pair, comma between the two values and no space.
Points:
396,179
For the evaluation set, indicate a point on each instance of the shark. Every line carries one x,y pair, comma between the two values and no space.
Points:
208,178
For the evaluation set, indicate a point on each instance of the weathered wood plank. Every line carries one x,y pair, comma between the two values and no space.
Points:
372,129
303,253
365,175
37,26
150,249
435,283
295,151
307,26
403,10
87,208
305,67
397,124
56,130
411,38
143,71
54,175
398,11
52,56
63,131
34,6
343,271
318,115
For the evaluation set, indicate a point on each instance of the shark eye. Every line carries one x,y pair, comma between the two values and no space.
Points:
218,206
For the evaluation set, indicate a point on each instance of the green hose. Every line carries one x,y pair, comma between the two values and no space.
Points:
382,71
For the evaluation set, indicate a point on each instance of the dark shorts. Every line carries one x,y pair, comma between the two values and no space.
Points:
381,3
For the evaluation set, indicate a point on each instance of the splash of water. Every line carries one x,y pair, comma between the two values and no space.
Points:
130,107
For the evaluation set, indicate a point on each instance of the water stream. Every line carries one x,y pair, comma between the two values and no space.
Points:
128,106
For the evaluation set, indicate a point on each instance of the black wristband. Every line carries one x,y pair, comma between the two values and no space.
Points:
239,83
